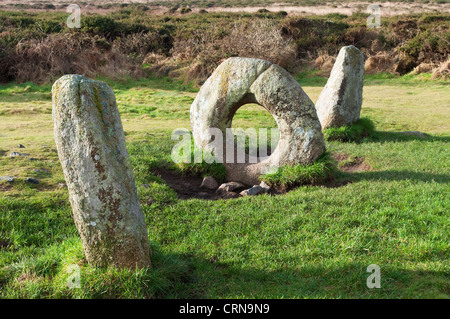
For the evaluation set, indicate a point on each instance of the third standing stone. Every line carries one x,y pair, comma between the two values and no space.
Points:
91,147
339,103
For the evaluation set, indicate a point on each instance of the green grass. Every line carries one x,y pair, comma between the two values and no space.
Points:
312,242
362,128
316,173
147,157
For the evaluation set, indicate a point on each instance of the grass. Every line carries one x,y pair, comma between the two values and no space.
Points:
316,173
362,128
312,242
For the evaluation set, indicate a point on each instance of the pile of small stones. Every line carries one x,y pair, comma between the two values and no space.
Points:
234,189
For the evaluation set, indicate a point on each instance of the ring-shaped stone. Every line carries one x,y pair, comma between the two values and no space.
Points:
239,81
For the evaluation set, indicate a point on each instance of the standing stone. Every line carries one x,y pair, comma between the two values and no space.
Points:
91,147
339,103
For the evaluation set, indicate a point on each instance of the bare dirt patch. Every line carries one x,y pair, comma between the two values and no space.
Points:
186,186
387,8
351,164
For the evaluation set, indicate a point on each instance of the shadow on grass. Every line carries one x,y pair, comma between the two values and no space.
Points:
212,279
397,176
201,274
384,136
192,276
151,82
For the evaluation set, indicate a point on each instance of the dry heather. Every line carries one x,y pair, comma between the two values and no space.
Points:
40,60
200,53
380,62
132,42
324,62
442,71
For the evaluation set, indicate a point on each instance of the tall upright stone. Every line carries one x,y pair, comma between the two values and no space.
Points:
91,147
340,101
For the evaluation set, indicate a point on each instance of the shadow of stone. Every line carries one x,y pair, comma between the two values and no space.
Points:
397,175
209,278
384,136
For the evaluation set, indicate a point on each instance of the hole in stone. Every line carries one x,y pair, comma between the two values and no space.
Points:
255,131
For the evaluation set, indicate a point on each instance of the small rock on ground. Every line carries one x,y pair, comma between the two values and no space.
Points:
265,186
20,146
210,183
32,181
231,187
14,154
255,190
9,179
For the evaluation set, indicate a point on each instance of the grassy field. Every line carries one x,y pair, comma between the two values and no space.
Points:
312,242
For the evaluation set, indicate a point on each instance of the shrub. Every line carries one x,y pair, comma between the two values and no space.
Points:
100,25
49,27
142,43
311,35
193,45
173,9
428,43
185,10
